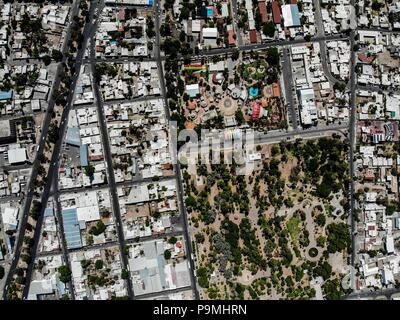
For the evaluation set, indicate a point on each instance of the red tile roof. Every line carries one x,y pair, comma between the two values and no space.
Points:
263,11
276,12
253,36
256,111
365,58
231,39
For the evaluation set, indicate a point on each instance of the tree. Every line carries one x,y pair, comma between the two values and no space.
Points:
239,117
320,220
376,6
190,201
65,274
26,258
185,12
235,54
338,237
99,264
98,229
269,29
167,254
36,209
324,270
332,289
89,170
323,190
53,132
46,60
125,274
199,237
202,277
273,56
339,86
172,240
56,55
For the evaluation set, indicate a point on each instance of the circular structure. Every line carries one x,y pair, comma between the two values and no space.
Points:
313,252
251,70
235,93
228,107
261,70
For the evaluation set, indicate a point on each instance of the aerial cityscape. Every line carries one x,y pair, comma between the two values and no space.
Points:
199,150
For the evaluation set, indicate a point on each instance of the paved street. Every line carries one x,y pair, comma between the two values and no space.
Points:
352,140
45,127
322,43
109,164
289,88
177,171
51,188
53,170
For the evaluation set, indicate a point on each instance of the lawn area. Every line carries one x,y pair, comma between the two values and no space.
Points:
256,70
293,228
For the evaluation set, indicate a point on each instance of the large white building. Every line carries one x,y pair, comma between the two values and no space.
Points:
308,112
210,36
291,15
17,155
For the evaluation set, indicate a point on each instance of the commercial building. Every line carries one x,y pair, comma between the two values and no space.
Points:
17,155
291,15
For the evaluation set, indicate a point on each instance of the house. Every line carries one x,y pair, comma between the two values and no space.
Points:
262,8
231,39
253,36
276,12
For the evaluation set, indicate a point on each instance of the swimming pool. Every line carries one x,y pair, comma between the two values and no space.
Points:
253,91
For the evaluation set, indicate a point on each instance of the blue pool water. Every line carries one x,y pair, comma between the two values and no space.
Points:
253,91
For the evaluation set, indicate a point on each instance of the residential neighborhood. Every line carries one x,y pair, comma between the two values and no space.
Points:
199,150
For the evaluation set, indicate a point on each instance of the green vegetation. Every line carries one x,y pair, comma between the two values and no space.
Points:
172,240
320,220
293,227
89,170
167,254
64,274
313,252
104,69
338,237
35,209
98,229
232,240
269,29
125,274
202,277
99,264
333,290
256,70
